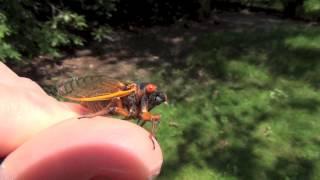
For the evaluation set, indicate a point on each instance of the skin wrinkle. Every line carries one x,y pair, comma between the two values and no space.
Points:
14,106
9,112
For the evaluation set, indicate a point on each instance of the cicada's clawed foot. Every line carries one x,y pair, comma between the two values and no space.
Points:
151,136
147,116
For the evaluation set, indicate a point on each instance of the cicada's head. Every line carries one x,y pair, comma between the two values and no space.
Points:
156,98
149,88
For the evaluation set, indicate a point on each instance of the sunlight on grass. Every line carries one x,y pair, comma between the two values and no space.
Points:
312,6
303,41
244,107
190,173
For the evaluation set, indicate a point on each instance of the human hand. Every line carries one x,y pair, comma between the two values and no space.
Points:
44,140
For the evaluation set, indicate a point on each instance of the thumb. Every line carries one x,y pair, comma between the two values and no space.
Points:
97,148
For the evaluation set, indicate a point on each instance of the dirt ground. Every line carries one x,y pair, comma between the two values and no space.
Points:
134,54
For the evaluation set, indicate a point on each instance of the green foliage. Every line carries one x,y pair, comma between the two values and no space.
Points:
6,50
101,33
54,33
257,118
312,7
31,28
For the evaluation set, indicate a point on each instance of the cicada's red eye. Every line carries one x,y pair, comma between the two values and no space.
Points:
150,88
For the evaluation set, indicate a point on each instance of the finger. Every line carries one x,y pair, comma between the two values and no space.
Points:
6,74
77,108
8,77
84,149
25,109
25,113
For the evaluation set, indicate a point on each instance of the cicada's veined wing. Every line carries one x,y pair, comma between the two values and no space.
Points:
89,86
93,88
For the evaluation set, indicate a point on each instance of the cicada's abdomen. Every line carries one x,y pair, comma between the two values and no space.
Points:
95,106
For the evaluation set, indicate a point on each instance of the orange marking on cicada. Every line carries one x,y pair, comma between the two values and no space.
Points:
103,97
150,88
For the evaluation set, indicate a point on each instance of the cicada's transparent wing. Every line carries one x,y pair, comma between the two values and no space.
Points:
93,88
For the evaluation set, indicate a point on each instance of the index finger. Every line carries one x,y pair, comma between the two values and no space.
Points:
6,74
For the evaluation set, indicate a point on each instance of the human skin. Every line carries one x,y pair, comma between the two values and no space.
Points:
42,138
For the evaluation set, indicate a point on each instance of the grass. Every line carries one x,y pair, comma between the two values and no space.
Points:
246,105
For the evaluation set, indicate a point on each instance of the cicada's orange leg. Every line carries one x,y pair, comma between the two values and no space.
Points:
115,106
147,116
120,110
153,133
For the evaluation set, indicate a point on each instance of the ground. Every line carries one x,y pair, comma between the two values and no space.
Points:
132,54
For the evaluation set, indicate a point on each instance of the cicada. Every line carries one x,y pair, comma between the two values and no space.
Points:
105,96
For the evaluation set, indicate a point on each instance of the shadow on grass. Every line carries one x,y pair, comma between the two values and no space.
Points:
191,64
284,53
233,152
199,54
292,168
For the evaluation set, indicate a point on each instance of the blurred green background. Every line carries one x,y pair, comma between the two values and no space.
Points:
242,76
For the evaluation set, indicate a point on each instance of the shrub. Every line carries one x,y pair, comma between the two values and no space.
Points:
29,28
